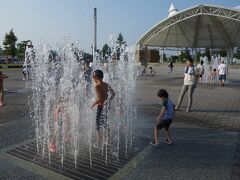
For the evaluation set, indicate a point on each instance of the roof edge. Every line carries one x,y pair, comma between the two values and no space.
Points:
179,12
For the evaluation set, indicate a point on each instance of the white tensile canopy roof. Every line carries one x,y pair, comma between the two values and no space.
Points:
197,27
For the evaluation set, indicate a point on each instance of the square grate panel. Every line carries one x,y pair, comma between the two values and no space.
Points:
80,168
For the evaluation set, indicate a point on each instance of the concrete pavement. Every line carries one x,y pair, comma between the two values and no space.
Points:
206,140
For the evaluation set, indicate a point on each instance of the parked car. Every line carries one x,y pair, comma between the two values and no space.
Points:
3,61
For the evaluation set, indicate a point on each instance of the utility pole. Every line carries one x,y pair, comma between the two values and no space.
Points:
95,31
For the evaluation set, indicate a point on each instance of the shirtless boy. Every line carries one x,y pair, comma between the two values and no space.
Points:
102,90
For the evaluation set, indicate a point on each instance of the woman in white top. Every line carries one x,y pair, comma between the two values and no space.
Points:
188,85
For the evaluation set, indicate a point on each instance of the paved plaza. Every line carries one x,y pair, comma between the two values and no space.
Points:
206,140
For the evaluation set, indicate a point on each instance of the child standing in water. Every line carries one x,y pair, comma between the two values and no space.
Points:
214,76
165,117
60,117
102,89
210,74
2,76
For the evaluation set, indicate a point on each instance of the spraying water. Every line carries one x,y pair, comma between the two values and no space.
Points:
62,98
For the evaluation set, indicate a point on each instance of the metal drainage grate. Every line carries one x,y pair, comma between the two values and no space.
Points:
83,170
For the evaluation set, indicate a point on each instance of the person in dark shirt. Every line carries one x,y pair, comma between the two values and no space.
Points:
165,117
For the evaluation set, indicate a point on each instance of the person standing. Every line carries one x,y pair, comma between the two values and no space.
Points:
210,70
144,72
87,75
102,90
200,72
189,84
222,72
165,117
152,71
213,76
29,55
170,65
2,76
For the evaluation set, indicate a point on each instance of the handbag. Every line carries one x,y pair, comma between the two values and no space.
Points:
188,79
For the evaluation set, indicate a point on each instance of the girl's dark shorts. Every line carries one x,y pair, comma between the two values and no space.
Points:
164,123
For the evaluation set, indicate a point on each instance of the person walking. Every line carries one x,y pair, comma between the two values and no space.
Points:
165,117
170,65
189,85
222,72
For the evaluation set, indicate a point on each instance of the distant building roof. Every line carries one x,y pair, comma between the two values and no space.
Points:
199,26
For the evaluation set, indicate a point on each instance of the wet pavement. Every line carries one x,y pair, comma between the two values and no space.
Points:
206,140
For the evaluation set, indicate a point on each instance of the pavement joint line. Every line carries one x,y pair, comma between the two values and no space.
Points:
129,167
30,167
4,150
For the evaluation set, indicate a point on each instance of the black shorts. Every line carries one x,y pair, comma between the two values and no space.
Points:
101,120
164,123
222,77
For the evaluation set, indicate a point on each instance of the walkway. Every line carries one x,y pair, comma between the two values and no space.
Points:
206,140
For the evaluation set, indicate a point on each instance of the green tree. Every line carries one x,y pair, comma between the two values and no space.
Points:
164,57
21,47
237,53
198,55
184,55
87,56
187,52
106,50
9,43
98,51
223,52
207,53
120,40
1,51
173,58
121,45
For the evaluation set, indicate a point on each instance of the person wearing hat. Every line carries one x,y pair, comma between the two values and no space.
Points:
29,55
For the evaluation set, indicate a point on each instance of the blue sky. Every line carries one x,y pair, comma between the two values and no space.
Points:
51,20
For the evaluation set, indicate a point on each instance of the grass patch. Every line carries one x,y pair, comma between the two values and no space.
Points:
11,65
